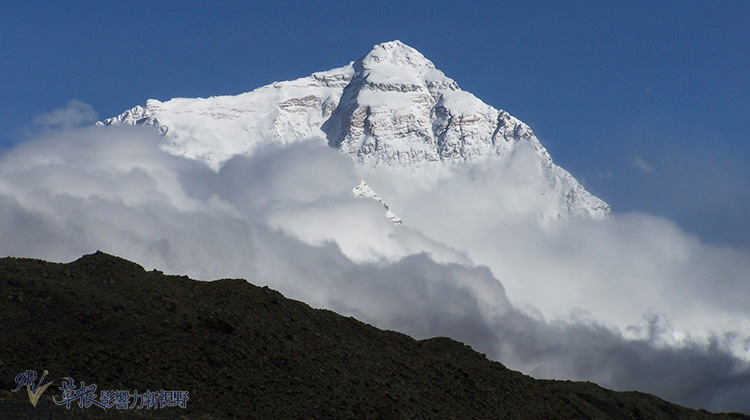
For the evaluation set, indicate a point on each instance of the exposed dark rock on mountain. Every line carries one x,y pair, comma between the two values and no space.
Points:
243,351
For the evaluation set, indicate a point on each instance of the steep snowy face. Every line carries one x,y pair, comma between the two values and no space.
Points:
399,109
391,109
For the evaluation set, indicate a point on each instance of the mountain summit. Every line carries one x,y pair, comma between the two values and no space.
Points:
396,53
391,109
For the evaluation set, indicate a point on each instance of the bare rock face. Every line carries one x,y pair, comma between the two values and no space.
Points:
392,109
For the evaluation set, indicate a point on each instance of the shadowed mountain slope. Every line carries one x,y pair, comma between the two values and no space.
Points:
242,351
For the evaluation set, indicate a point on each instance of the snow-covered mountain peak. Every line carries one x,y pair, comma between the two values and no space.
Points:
392,109
395,53
401,66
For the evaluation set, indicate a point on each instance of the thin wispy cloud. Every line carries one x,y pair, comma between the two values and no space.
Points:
74,114
641,164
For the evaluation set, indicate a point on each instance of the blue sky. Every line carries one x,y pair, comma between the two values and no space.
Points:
646,104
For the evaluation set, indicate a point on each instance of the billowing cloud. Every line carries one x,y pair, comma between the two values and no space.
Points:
631,302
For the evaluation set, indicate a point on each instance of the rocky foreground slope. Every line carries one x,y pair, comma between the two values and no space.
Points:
242,351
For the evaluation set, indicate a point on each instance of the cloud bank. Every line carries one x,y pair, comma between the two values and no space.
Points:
631,303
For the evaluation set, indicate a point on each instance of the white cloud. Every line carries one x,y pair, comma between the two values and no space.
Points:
604,174
631,302
74,114
642,165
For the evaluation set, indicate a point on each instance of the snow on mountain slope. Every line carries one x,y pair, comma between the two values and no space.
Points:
215,129
364,190
391,109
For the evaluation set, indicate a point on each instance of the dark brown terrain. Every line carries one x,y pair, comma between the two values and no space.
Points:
243,351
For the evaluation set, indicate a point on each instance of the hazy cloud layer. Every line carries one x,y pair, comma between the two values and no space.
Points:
631,302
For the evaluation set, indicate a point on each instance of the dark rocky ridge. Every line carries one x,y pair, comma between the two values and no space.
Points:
247,352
